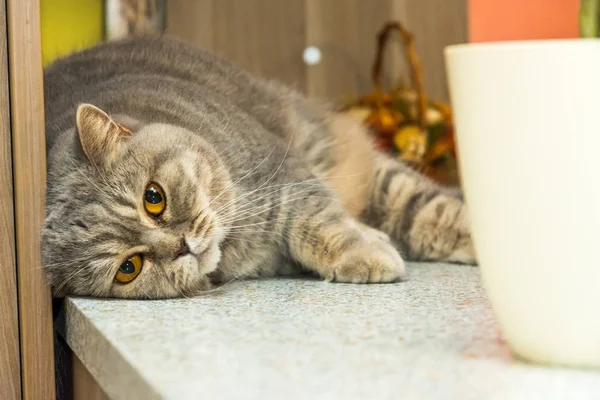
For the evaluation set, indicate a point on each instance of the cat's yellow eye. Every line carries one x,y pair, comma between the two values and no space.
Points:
130,269
154,200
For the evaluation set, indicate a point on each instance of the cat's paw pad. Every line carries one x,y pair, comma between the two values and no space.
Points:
371,262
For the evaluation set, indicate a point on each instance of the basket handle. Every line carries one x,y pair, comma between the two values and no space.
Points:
417,74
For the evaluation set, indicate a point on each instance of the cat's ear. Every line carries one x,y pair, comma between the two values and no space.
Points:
101,137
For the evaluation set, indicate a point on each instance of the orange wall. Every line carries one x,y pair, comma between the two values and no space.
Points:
499,20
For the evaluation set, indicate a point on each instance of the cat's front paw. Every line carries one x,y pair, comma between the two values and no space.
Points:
372,260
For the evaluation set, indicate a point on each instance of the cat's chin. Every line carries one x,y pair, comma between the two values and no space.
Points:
208,260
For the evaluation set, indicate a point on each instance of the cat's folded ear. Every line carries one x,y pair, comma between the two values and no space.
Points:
101,137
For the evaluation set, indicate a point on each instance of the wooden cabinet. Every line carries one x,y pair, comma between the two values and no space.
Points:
10,375
26,333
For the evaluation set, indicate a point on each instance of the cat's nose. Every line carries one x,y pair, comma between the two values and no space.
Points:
183,249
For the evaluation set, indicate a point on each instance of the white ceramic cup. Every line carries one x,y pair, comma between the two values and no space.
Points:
528,129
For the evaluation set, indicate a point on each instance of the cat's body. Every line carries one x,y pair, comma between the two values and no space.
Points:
251,175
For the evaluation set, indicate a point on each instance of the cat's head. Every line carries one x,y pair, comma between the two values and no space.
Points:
133,214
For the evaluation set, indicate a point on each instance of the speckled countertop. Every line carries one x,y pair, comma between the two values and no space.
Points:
432,337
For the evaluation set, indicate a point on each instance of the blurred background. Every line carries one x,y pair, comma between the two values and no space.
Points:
327,49
269,37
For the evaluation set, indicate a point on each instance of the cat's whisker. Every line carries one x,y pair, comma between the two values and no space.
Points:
70,263
244,208
236,200
258,211
148,297
78,169
181,293
233,227
288,185
280,164
277,204
228,187
287,150
69,278
242,234
221,286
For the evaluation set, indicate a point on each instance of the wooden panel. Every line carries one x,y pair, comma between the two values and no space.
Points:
436,24
266,37
10,375
85,386
29,163
348,43
192,21
344,31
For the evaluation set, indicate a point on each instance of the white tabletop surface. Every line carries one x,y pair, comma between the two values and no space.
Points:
431,337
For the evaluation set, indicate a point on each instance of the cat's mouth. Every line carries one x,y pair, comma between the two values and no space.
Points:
207,257
200,256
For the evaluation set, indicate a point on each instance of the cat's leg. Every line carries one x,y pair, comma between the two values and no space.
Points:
425,221
325,239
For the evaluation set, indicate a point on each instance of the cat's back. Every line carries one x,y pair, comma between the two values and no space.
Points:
143,56
150,74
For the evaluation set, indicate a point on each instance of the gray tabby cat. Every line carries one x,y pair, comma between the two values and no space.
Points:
170,171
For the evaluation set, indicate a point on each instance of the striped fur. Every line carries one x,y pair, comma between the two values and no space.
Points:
256,177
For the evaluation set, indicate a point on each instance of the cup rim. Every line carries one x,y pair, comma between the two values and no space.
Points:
520,45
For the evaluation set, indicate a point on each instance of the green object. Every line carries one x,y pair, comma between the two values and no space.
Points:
589,14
